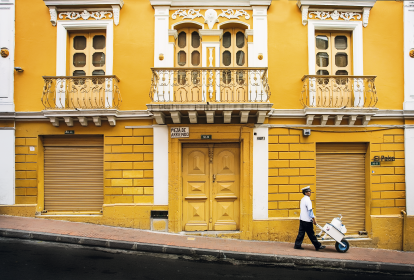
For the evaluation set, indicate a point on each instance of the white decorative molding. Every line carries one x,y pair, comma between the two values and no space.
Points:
90,3
63,26
357,43
117,13
211,18
365,17
230,14
192,14
335,15
85,15
53,15
304,10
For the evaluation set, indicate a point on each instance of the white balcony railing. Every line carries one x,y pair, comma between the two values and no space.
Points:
339,91
194,85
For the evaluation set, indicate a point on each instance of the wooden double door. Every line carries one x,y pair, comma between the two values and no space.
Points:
211,176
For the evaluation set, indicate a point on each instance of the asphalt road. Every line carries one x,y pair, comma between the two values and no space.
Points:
26,259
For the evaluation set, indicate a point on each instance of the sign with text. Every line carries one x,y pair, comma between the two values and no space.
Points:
180,132
205,137
383,158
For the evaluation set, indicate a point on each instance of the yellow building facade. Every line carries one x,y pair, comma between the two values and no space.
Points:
209,118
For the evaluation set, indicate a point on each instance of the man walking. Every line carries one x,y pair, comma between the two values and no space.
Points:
307,220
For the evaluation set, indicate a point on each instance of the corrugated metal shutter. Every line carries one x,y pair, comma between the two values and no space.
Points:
340,184
73,173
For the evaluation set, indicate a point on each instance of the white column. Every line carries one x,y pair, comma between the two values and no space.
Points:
259,36
7,170
161,135
161,45
408,61
409,103
409,167
260,173
7,16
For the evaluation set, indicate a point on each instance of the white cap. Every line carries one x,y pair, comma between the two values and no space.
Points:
306,188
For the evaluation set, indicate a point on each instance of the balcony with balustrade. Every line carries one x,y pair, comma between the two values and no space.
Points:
82,98
209,95
340,98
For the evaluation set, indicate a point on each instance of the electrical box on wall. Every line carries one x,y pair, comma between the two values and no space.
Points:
306,132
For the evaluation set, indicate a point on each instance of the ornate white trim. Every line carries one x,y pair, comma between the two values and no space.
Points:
365,16
53,15
192,14
210,16
335,15
230,14
304,14
85,15
116,10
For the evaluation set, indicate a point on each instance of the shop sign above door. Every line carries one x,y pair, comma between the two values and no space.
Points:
180,132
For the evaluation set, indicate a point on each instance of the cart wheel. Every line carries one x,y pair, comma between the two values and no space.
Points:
340,248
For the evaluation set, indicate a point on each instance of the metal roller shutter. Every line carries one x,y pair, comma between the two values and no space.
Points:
73,173
340,184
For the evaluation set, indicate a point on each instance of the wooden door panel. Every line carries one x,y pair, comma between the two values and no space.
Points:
211,188
195,189
226,212
226,187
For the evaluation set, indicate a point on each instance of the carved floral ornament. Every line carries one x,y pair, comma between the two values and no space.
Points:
85,15
335,15
210,16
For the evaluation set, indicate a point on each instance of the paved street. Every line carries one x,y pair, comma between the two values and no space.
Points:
24,259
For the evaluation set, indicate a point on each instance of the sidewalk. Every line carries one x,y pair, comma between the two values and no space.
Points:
256,251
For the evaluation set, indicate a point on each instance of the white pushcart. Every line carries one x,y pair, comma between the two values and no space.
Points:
336,230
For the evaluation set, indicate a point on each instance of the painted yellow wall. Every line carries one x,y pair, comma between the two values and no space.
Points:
134,52
128,152
288,53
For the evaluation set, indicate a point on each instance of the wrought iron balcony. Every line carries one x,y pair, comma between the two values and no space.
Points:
340,98
339,92
201,85
81,92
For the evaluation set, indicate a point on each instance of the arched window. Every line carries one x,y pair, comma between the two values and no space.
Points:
233,48
188,48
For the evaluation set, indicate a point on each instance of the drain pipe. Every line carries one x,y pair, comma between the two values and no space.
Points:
404,214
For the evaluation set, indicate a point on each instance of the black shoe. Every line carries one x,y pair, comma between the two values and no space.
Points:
298,248
321,247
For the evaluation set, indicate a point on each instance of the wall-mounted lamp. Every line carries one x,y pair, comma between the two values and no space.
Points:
161,57
306,132
18,69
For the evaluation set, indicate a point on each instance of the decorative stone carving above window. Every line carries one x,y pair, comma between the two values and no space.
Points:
323,10
78,9
85,15
230,14
335,15
211,16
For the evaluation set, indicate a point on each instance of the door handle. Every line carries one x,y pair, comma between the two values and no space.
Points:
214,178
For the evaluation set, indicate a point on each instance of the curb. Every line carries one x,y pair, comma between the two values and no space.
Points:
218,254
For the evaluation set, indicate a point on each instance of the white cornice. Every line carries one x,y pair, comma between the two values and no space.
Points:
327,3
210,32
83,3
211,3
